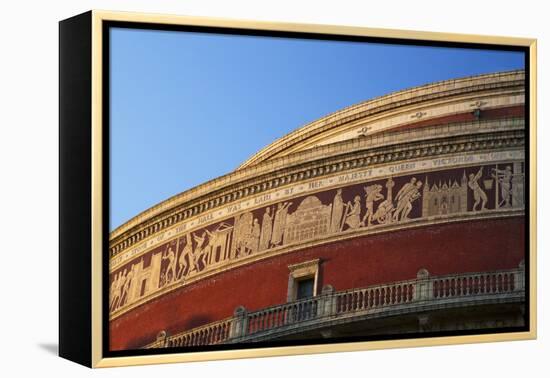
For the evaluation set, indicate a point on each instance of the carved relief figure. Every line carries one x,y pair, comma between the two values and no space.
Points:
253,242
405,197
337,212
126,289
384,213
113,292
170,272
202,250
246,235
518,191
119,289
479,194
353,213
372,194
185,260
405,188
503,178
279,223
219,243
267,224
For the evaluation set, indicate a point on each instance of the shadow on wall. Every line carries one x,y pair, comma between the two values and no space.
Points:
198,320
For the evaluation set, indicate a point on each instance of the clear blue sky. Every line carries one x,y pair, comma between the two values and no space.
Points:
189,107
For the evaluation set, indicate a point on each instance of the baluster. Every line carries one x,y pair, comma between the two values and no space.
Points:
253,324
345,298
218,333
345,302
454,284
276,317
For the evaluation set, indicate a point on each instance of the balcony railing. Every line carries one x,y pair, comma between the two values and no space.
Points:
331,306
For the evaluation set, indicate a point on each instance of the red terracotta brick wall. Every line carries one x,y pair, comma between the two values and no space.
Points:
443,249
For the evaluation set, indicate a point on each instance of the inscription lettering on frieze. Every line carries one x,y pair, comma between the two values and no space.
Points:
315,185
355,176
233,208
312,215
402,167
454,160
181,228
262,199
206,218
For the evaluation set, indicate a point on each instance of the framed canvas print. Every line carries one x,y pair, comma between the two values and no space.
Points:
235,189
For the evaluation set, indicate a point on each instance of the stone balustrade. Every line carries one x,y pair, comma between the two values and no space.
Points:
330,306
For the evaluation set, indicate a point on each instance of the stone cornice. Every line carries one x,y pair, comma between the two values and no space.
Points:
398,100
337,157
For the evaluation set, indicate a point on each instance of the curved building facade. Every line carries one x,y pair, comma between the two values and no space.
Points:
402,214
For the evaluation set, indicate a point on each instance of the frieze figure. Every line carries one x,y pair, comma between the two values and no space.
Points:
267,224
170,271
246,235
405,197
353,213
337,212
503,178
405,188
279,223
253,242
119,289
114,292
202,250
186,260
127,284
373,193
479,194
384,212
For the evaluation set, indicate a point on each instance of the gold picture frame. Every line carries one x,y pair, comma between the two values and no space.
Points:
83,233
